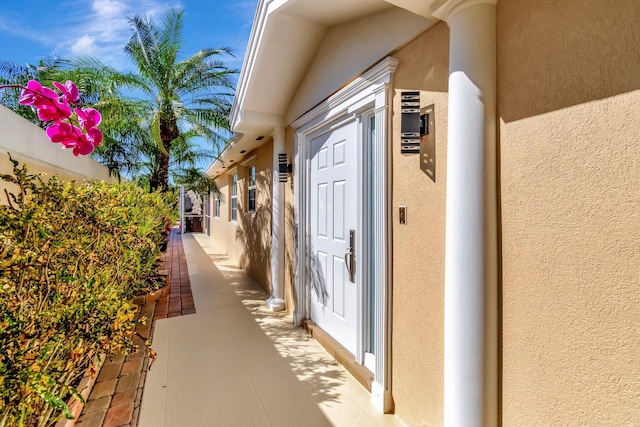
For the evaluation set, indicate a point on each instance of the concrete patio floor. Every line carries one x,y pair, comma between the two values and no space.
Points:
235,363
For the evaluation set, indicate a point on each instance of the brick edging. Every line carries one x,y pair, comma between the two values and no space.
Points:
121,385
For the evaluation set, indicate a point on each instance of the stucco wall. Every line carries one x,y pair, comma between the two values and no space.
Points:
569,107
223,233
418,245
29,144
248,240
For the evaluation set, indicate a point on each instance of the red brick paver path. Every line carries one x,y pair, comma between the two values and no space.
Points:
115,398
180,299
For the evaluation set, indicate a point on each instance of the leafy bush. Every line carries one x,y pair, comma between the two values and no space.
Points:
71,259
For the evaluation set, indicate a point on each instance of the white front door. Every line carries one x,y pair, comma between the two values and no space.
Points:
333,214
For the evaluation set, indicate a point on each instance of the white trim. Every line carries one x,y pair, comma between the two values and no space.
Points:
249,161
252,185
350,95
360,239
181,207
216,206
233,184
381,387
371,90
257,29
237,136
368,149
300,311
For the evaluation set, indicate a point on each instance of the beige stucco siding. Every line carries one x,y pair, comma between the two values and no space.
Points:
223,232
418,246
247,241
254,229
569,108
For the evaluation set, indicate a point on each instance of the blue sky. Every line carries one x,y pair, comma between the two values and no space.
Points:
32,29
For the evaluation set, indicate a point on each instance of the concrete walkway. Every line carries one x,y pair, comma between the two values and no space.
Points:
234,363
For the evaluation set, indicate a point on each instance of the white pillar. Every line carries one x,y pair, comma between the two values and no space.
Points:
470,347
276,300
181,204
381,385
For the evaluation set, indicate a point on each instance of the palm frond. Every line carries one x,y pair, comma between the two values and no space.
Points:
170,33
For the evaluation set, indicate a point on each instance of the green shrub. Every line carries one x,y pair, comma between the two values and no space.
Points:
71,259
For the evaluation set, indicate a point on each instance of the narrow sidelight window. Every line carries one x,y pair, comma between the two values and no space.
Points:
234,197
251,187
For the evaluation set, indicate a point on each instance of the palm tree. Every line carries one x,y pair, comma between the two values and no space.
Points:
175,101
184,98
47,70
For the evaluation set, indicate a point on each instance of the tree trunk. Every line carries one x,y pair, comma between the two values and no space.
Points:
162,175
168,133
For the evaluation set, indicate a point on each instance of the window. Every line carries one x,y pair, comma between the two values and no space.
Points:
207,214
216,206
234,197
251,187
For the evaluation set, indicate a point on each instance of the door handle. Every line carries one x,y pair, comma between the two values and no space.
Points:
350,257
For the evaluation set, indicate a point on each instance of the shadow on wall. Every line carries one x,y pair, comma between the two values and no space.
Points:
556,54
254,233
316,270
290,253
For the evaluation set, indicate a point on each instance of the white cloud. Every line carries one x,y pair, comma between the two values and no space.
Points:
100,28
85,45
108,7
105,30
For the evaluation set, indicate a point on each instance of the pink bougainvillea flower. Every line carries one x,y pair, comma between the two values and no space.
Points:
94,135
53,110
69,90
88,117
83,147
35,94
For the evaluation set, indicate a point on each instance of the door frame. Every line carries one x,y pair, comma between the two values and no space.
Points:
369,93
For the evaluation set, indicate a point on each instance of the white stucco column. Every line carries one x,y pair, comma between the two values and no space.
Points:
470,347
276,300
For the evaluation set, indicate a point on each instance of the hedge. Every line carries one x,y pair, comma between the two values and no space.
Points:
71,259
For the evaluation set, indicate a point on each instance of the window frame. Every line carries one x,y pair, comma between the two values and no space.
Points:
252,189
233,197
216,205
207,213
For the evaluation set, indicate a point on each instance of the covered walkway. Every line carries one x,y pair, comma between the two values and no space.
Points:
235,363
